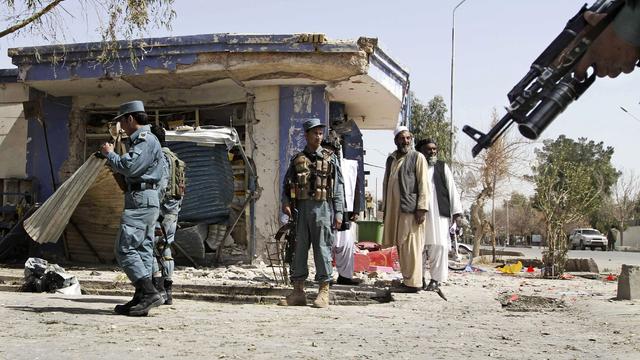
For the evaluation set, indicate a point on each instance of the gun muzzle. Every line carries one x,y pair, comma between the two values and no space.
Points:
549,108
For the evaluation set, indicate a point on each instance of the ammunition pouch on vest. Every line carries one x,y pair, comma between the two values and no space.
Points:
313,177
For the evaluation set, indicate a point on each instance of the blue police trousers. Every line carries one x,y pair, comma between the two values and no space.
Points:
134,244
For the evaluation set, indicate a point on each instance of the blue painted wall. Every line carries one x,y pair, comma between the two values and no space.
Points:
80,60
93,69
352,147
55,115
297,105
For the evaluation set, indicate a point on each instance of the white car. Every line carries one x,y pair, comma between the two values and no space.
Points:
587,238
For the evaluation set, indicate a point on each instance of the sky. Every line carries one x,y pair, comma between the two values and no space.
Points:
495,43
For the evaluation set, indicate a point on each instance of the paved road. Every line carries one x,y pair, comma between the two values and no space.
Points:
608,261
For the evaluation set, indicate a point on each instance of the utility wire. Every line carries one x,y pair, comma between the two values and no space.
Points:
630,114
375,166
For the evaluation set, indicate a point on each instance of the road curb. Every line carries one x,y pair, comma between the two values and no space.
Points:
340,294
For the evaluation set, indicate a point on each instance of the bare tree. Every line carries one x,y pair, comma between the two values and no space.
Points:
625,195
49,20
489,171
517,217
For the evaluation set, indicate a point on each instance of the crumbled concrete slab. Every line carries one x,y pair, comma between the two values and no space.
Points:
629,283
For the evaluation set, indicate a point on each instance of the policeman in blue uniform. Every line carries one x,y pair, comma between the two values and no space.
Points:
314,187
142,169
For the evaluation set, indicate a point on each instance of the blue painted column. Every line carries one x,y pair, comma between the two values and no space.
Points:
297,105
353,149
54,117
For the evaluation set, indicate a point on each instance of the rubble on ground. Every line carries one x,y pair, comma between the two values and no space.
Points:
40,276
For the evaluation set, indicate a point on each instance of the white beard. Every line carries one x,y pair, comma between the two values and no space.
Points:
404,149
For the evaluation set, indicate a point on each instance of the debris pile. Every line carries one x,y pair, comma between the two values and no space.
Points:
40,276
528,303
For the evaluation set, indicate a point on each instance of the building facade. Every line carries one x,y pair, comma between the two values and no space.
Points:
58,102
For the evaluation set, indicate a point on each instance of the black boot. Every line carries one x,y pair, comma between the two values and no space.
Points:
158,283
168,284
346,281
150,298
124,308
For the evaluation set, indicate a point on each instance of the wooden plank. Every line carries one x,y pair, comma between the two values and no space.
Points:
98,217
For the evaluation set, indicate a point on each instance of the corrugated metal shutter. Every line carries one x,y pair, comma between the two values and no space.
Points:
48,222
209,188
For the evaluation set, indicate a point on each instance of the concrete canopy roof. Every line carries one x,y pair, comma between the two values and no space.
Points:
356,72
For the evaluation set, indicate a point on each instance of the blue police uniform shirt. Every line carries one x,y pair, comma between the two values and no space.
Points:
142,163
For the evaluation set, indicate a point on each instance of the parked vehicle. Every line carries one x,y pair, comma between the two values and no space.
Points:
587,238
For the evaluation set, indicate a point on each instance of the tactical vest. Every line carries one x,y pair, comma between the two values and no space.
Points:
312,178
177,182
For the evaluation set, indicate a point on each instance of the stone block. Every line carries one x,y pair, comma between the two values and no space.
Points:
581,265
536,263
629,283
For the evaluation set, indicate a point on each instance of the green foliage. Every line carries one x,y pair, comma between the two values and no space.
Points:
430,121
604,217
571,178
593,156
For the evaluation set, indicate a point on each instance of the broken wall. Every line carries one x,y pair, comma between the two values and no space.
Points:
265,155
13,131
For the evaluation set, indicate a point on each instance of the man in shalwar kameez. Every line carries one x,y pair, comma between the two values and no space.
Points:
446,209
406,199
344,246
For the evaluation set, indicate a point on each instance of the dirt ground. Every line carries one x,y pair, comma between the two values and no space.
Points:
546,319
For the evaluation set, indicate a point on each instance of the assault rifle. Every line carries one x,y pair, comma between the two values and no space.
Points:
288,230
550,86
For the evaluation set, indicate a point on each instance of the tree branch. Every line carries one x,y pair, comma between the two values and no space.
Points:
30,19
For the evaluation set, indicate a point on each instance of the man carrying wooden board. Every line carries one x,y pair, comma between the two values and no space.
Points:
141,167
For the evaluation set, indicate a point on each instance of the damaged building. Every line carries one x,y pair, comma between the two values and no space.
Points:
58,103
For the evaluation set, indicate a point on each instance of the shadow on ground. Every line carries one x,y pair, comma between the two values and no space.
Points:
68,310
94,300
